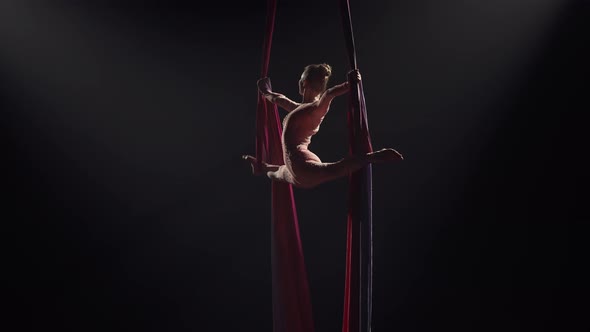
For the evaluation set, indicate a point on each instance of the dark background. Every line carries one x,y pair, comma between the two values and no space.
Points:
127,207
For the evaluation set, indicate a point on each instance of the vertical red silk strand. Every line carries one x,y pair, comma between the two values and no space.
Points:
359,246
290,291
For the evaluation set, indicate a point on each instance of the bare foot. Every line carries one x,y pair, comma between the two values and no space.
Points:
384,155
256,170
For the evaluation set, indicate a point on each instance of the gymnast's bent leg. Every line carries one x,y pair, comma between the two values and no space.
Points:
282,174
274,172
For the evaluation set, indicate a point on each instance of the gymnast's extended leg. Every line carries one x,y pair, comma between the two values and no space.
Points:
317,173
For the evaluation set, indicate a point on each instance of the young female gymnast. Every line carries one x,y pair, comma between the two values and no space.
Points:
302,167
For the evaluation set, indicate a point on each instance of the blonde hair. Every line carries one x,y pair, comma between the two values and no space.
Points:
317,76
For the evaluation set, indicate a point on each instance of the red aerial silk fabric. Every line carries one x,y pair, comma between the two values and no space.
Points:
359,246
291,300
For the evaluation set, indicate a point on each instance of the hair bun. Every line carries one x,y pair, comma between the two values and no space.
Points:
317,75
327,69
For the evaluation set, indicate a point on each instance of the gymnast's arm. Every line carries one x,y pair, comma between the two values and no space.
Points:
275,98
340,89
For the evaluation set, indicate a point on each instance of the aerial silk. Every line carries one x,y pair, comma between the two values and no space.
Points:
359,239
290,290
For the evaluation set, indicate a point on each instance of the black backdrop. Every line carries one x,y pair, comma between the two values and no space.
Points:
127,206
